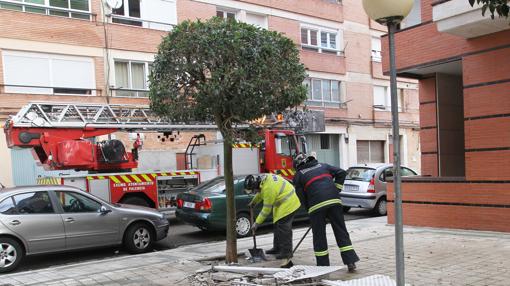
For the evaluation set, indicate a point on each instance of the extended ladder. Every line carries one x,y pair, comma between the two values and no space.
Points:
96,115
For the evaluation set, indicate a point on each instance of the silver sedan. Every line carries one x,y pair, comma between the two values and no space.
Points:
46,219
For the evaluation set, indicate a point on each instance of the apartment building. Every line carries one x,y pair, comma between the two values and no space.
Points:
457,56
101,51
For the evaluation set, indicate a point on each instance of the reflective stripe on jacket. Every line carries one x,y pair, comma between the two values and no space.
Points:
318,185
277,194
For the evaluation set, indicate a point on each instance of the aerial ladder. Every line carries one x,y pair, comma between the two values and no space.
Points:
62,134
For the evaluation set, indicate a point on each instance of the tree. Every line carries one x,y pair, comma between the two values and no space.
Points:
229,73
499,7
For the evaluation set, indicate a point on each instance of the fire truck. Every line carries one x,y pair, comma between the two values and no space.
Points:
64,136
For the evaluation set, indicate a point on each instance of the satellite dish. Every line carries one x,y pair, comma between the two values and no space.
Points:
114,4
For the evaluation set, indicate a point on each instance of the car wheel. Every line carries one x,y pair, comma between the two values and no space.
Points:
138,238
346,209
243,225
11,254
135,201
380,207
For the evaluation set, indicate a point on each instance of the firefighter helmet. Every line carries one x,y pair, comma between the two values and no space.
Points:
252,183
299,160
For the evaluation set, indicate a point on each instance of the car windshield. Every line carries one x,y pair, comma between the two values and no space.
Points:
360,174
216,185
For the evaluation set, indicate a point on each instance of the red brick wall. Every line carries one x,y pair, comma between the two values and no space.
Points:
191,10
488,165
486,67
424,44
315,8
487,100
290,28
488,217
488,133
426,10
323,62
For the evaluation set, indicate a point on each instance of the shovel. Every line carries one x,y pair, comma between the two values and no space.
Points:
257,254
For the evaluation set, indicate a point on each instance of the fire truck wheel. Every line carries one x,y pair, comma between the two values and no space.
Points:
138,238
11,254
243,225
134,201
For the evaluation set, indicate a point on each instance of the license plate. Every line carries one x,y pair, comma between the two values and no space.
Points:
351,188
189,205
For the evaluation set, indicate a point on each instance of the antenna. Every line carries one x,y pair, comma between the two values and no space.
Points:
114,4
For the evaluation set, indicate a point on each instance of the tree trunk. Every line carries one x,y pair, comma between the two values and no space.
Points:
231,251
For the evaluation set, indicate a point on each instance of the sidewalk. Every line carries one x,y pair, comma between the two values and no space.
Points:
432,256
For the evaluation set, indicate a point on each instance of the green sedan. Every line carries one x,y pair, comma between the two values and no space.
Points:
205,206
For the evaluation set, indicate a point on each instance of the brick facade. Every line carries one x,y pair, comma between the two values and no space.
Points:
480,197
104,42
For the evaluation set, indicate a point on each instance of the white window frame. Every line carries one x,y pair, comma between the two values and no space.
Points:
50,89
130,78
308,45
226,11
322,102
376,49
48,9
387,99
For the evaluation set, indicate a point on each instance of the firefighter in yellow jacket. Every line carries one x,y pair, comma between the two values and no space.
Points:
278,195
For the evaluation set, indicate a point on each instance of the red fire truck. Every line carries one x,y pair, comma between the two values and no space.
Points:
63,136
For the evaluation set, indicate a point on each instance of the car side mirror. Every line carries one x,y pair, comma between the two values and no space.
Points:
103,210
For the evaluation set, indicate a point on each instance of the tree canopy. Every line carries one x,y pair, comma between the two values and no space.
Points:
499,7
225,72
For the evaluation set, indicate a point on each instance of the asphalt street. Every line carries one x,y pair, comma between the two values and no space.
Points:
180,234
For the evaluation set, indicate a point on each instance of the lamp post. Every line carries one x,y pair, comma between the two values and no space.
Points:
391,13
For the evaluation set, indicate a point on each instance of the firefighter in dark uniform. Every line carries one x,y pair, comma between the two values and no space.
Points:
318,186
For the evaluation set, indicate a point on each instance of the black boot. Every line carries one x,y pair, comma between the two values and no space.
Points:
272,251
351,267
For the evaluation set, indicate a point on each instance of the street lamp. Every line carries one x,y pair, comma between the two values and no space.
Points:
391,13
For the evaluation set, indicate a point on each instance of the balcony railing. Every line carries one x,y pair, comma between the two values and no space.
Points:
47,10
322,50
126,92
48,90
132,21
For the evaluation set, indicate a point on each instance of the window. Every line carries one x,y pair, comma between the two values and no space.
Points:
388,173
284,145
7,206
131,9
320,40
131,78
76,203
33,203
382,98
64,8
323,92
324,141
227,15
257,20
370,151
376,49
48,73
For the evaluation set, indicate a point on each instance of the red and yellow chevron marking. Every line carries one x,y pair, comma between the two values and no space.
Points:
49,181
244,145
285,172
139,178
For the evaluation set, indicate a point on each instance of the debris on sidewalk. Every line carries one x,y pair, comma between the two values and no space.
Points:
243,275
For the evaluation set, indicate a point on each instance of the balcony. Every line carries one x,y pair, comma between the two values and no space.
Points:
458,18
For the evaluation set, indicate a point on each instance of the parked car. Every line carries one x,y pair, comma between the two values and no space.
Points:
46,219
205,206
365,186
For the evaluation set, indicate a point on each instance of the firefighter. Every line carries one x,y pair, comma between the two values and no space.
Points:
277,194
137,145
317,186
